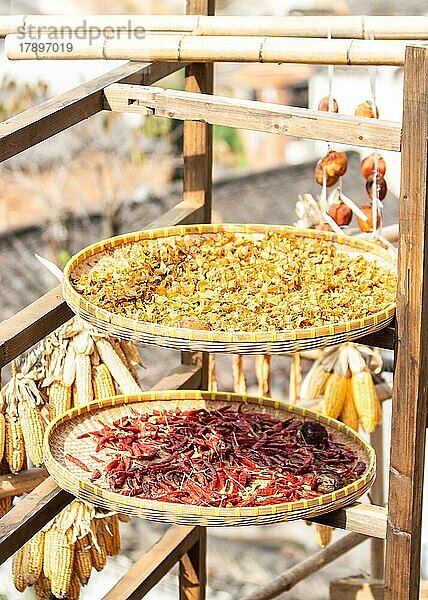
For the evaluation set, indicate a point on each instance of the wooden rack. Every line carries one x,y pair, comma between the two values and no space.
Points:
127,88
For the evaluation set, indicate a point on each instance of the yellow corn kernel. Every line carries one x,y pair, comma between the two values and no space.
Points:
111,533
59,398
98,555
48,556
14,445
334,395
42,587
365,400
33,558
349,415
73,590
2,435
317,380
103,382
82,559
33,430
62,560
84,391
323,535
116,367
5,506
18,570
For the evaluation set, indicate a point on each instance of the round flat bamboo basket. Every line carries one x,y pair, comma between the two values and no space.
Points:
62,439
234,342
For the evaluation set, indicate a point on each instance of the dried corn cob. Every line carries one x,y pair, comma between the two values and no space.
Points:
113,546
5,506
59,398
73,590
102,382
121,354
323,535
49,559
349,415
69,367
63,556
212,376
116,367
83,380
130,350
98,555
262,367
18,570
2,435
317,380
14,445
33,558
82,559
295,379
334,395
239,384
33,430
365,400
42,587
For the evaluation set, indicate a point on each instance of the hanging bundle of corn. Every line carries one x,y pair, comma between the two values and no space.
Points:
59,559
346,383
72,366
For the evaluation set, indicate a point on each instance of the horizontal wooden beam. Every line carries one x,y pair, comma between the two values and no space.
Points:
32,324
349,26
367,519
23,482
30,515
205,48
258,116
61,112
155,564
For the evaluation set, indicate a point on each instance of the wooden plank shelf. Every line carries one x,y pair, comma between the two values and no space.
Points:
250,114
367,519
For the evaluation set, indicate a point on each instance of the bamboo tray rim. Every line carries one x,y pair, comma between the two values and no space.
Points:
297,509
80,305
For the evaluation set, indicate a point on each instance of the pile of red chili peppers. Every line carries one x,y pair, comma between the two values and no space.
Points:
221,458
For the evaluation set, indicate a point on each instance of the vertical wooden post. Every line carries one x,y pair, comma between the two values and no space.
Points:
409,401
197,154
192,576
377,546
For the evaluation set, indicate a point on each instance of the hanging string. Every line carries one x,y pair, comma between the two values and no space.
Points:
324,201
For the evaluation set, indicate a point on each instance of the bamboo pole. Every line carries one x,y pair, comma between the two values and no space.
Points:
191,48
352,26
290,578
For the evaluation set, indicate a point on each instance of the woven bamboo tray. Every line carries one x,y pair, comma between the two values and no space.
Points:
236,342
61,439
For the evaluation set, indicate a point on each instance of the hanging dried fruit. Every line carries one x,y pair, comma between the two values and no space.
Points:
324,105
381,186
334,164
367,226
341,213
368,166
366,109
